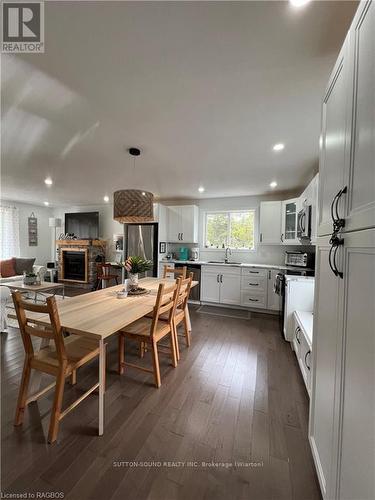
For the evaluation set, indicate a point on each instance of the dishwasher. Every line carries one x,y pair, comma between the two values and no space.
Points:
195,292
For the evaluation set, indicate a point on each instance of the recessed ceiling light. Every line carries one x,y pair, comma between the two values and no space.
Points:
106,199
299,3
48,181
273,184
201,189
279,146
46,203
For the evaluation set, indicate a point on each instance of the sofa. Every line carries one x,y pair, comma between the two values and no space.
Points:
13,269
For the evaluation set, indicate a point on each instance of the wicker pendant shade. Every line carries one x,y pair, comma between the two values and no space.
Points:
133,205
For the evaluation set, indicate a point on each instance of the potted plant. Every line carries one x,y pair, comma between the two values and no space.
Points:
29,278
135,265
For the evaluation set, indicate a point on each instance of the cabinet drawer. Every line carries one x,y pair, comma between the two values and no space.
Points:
255,283
251,299
254,271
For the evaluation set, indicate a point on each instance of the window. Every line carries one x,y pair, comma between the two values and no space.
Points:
234,229
9,233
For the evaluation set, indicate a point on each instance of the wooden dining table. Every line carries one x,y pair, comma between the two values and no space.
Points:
101,314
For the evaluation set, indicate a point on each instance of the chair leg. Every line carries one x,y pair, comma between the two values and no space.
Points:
155,360
173,347
56,409
187,331
176,341
22,395
116,280
121,353
73,377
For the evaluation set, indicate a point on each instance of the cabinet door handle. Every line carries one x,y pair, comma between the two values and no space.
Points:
254,272
338,223
282,237
298,329
261,237
307,366
182,236
330,261
221,278
217,278
254,300
269,275
338,273
254,284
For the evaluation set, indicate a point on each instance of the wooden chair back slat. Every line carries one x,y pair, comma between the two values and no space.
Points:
27,331
176,271
184,292
165,302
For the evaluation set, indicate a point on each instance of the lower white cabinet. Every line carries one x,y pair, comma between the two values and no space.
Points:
302,344
246,286
221,285
342,429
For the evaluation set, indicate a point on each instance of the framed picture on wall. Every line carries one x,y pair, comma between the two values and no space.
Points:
162,247
33,230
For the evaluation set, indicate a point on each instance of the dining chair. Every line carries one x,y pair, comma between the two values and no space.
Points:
180,313
149,331
60,359
179,272
103,272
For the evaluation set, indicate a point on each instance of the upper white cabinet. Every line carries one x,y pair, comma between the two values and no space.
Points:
359,211
182,224
289,213
270,223
334,138
347,155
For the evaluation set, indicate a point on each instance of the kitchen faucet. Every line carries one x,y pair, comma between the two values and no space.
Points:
227,251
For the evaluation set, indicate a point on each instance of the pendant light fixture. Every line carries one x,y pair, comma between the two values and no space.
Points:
133,205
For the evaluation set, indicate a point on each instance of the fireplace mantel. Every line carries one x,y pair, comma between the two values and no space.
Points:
81,243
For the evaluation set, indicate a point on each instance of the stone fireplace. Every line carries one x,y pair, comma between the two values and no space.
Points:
77,261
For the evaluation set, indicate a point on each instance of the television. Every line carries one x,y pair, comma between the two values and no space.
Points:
84,225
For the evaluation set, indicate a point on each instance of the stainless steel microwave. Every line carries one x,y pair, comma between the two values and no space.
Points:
304,223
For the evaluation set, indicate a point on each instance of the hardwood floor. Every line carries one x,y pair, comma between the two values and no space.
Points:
235,398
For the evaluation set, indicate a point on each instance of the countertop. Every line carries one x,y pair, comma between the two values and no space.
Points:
205,263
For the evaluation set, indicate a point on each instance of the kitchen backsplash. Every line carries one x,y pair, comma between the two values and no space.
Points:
265,254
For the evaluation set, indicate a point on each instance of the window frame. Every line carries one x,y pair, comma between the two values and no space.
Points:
226,211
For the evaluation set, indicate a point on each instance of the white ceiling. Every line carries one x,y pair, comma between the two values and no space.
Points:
203,88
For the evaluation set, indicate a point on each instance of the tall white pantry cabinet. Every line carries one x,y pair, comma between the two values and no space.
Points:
342,410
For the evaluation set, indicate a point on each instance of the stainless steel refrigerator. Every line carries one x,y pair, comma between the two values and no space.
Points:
142,240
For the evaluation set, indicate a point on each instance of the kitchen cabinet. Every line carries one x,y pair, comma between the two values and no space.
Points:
221,285
341,427
270,222
273,300
183,224
289,222
343,364
346,182
302,344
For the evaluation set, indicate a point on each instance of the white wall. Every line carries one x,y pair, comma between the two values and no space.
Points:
41,252
263,254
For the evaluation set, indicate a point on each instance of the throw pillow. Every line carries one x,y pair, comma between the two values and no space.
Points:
24,265
7,268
